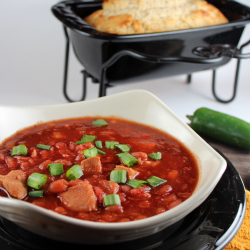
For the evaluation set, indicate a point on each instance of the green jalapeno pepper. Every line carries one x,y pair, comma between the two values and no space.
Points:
222,127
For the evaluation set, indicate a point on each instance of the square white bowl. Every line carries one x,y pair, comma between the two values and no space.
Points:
135,105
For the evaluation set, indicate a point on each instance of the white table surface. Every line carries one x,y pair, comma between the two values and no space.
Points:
32,47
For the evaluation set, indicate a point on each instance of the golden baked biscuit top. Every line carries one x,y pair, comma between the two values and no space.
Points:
148,16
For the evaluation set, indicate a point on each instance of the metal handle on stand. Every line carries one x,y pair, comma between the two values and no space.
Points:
210,54
236,79
85,74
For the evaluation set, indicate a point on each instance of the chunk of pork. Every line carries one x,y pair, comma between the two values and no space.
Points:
14,183
79,198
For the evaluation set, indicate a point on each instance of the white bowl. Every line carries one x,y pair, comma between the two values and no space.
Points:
136,105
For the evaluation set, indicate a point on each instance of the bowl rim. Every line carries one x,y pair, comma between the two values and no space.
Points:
198,196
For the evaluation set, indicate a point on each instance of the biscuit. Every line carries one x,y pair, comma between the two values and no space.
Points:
125,17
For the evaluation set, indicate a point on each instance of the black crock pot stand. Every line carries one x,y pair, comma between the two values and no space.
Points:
209,55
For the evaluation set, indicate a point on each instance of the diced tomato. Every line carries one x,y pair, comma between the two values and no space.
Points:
11,162
110,187
79,157
65,153
174,204
74,182
24,166
172,175
61,210
72,146
108,217
21,158
160,210
184,195
58,186
31,161
34,153
57,135
169,198
164,190
99,194
122,197
39,203
44,154
89,145
140,217
183,187
145,204
141,192
140,156
65,163
44,165
117,209
61,145
125,188
2,157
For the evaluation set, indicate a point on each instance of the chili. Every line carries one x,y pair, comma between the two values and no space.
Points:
154,174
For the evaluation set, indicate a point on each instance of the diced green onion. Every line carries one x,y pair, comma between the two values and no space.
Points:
74,172
128,159
135,183
100,152
46,147
36,180
119,155
155,181
19,150
111,199
123,147
118,176
90,152
56,168
111,144
155,156
86,138
37,193
98,144
100,122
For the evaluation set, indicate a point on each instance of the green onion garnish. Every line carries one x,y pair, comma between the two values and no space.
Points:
111,199
111,144
155,156
86,138
36,180
90,152
118,176
46,147
74,172
123,147
135,183
55,168
100,152
155,181
37,193
98,144
128,159
100,122
19,150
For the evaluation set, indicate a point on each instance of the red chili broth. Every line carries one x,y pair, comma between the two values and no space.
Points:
178,166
